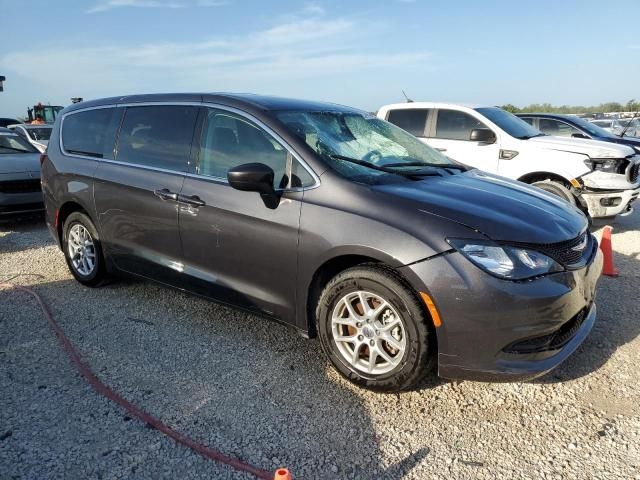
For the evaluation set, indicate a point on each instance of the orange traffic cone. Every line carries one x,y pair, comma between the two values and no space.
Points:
282,474
605,245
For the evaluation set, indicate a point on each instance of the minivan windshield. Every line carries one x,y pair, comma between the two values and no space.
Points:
363,147
514,126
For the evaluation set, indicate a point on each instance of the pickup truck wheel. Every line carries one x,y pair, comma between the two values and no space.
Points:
557,188
374,329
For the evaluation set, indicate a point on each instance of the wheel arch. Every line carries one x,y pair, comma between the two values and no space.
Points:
66,209
322,275
337,263
533,177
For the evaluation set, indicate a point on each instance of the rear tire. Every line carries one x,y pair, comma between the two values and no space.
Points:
557,188
393,328
83,250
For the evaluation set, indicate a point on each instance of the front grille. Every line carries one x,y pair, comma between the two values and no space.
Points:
634,171
552,341
563,252
20,186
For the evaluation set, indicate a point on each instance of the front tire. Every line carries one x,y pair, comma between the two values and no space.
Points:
374,330
83,250
557,188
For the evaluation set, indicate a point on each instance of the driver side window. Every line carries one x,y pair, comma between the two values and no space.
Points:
455,125
229,140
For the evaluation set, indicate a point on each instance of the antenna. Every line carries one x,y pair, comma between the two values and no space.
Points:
405,96
624,130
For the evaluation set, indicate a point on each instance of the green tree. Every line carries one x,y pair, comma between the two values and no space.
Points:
510,108
630,106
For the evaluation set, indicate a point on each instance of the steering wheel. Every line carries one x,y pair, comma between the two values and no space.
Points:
374,156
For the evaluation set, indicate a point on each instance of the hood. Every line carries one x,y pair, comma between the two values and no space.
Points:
592,148
630,141
500,208
20,162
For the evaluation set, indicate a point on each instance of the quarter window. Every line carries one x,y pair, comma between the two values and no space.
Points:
556,128
229,140
413,120
87,133
455,125
157,136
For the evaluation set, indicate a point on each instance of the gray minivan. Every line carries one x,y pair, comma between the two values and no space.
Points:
331,220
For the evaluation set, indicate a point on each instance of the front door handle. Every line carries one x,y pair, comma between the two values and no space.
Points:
441,149
166,194
192,200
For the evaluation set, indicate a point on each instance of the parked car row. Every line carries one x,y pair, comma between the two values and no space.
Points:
572,126
602,178
20,190
398,256
629,128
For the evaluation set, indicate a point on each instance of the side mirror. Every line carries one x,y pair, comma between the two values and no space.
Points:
255,177
579,135
483,135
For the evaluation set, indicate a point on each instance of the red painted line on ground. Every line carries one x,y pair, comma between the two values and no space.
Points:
132,409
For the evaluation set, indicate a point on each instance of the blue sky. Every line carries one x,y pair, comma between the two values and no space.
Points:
360,53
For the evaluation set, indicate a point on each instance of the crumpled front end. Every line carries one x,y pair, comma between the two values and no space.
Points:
607,194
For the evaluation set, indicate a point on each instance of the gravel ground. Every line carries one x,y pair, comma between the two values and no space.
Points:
255,390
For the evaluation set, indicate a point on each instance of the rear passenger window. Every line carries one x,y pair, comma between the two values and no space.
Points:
455,125
412,120
157,136
87,133
229,140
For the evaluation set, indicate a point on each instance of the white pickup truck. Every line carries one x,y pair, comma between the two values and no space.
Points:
601,178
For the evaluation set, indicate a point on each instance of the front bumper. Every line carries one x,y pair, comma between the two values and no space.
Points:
484,317
601,203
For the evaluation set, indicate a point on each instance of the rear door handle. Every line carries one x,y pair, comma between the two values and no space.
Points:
192,200
166,194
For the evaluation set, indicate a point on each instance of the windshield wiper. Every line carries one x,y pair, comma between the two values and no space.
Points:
373,166
427,164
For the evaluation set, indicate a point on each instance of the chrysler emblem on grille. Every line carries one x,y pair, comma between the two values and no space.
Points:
581,245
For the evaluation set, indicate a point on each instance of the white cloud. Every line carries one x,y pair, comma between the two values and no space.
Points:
106,5
313,9
284,59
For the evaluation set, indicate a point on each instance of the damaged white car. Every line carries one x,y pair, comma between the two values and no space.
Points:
600,178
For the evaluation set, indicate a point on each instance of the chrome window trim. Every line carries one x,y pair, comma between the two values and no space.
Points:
227,108
135,165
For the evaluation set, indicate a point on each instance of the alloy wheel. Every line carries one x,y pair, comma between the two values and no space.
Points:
368,332
81,249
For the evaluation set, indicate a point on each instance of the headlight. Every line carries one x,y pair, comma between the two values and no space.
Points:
611,165
504,261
